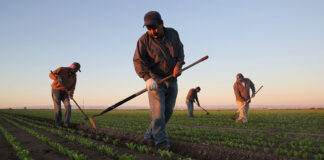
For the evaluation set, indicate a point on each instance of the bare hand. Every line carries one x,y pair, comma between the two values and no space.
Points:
176,71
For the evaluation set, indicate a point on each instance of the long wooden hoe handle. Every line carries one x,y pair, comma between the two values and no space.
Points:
249,100
144,90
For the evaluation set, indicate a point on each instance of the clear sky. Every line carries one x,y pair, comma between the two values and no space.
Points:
275,43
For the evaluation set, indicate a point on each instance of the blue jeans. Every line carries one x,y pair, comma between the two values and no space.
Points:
190,107
162,103
59,96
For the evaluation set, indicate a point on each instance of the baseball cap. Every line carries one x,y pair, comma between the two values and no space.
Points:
76,65
152,18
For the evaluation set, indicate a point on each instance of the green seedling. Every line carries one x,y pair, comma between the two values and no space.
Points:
126,157
106,139
163,153
89,135
143,149
131,145
115,142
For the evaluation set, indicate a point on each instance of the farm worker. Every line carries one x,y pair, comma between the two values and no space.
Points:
242,88
191,98
63,88
159,53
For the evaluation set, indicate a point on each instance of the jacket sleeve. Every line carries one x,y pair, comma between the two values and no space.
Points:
180,58
73,86
141,62
252,86
237,93
57,71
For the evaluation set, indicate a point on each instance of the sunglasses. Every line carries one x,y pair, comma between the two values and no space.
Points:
152,26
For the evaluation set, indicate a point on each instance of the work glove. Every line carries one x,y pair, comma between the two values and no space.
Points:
151,84
176,71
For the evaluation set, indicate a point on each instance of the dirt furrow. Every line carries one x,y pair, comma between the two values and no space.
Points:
6,149
38,149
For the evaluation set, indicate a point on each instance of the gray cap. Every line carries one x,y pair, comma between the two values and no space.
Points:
152,18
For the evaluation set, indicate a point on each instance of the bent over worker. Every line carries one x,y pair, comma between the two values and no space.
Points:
191,98
63,88
242,88
159,53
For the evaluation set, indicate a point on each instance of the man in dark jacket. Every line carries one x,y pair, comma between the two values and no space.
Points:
191,98
242,88
63,87
159,53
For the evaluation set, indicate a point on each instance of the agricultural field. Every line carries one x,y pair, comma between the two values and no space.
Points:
270,134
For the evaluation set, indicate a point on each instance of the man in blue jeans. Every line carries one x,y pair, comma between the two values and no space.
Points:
63,86
159,53
191,98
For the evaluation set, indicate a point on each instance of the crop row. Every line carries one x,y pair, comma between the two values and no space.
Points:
22,153
91,145
83,141
308,121
198,134
63,150
279,144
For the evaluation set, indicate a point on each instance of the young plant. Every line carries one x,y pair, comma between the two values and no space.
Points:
130,145
126,157
163,153
143,149
106,150
89,135
115,142
106,139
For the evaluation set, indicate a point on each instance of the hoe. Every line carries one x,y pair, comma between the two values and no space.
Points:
207,113
85,116
138,93
233,117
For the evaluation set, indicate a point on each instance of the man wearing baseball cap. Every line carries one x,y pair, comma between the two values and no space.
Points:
159,53
63,88
242,88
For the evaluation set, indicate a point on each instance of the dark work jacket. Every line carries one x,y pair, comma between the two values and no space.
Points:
68,79
154,58
243,93
192,95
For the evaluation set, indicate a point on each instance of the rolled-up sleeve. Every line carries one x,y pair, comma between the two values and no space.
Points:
140,61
